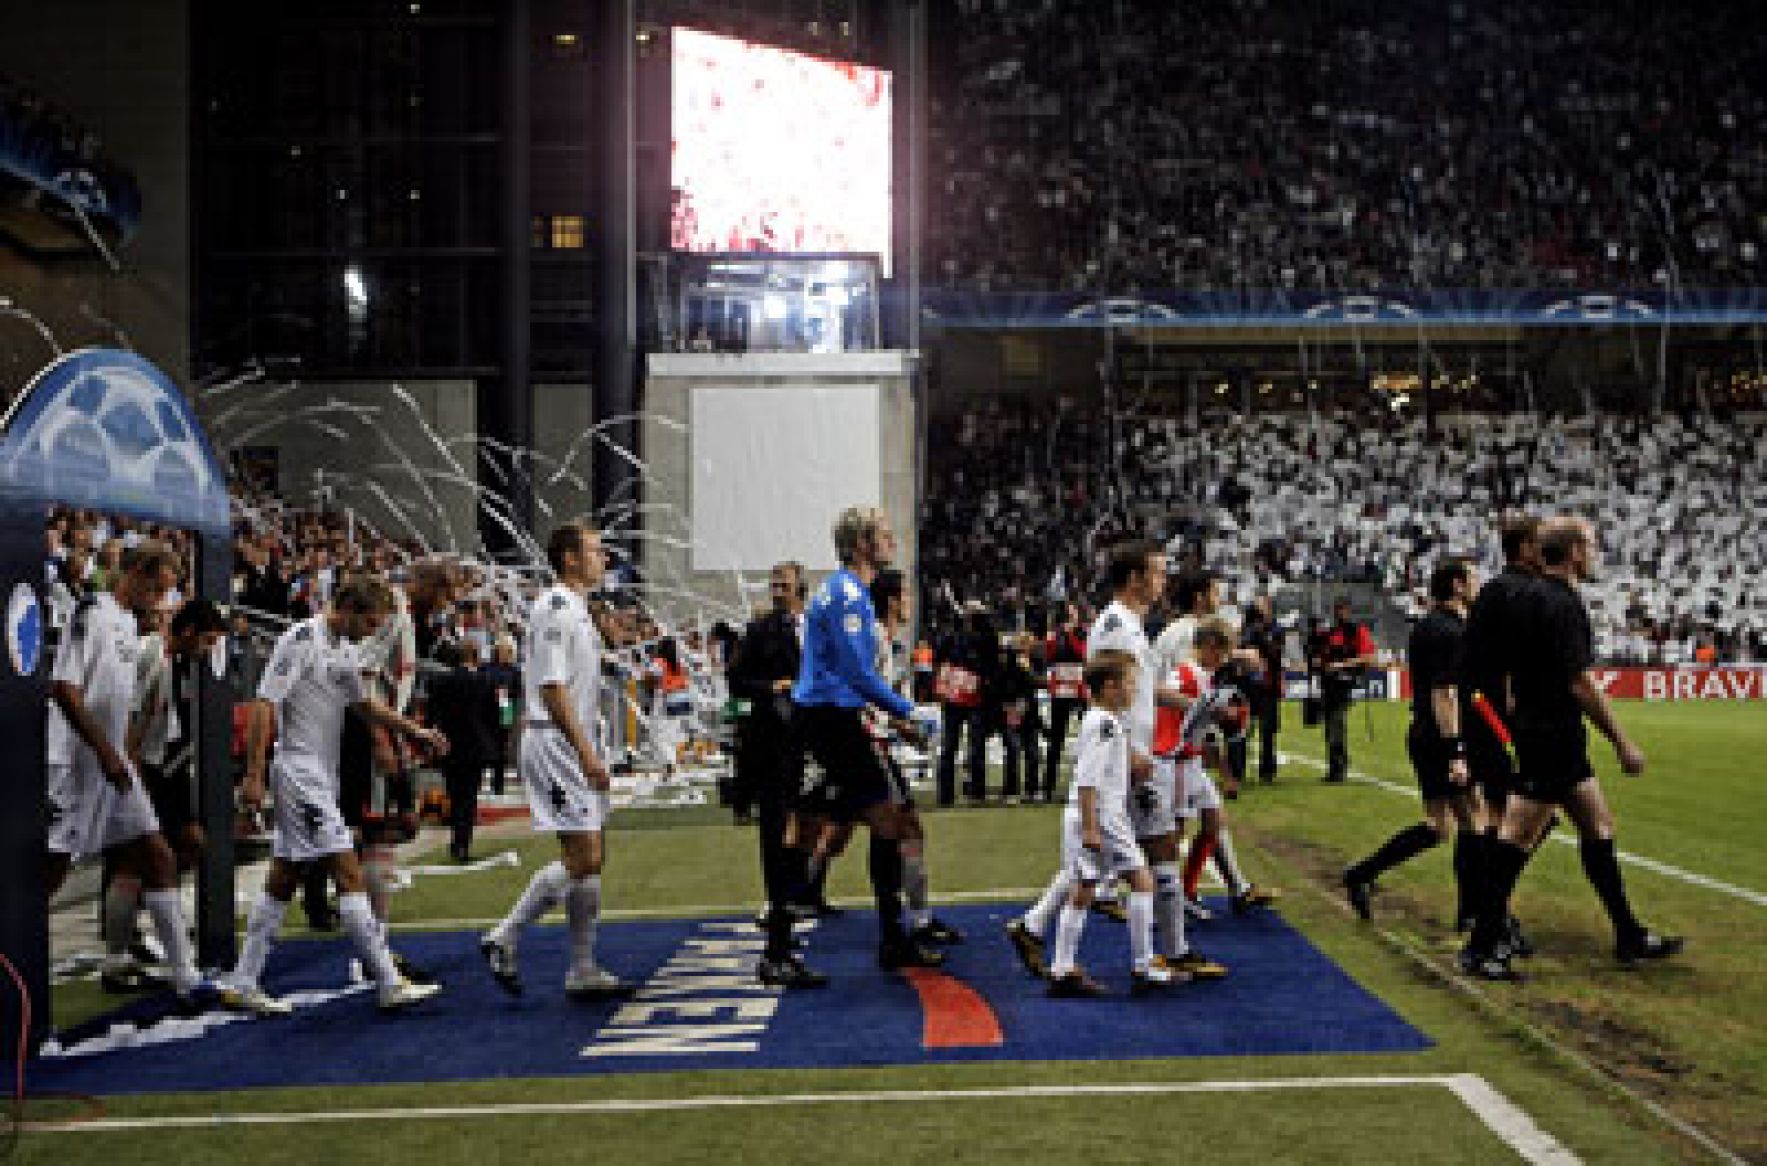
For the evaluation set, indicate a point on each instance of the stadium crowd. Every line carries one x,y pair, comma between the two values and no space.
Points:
1017,500
1347,146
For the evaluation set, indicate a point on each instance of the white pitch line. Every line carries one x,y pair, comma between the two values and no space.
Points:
1498,1114
1508,1121
1692,878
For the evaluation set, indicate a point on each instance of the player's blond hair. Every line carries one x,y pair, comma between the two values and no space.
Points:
1214,632
852,527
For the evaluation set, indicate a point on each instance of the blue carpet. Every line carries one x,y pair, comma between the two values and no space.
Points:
699,1009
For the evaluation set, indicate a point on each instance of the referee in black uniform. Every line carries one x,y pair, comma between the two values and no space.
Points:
1553,692
1488,649
1436,743
1489,645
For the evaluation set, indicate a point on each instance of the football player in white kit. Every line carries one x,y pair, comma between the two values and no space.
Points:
98,802
314,677
1137,576
561,764
1097,837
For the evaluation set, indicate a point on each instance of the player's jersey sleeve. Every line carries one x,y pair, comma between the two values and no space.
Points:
287,659
549,655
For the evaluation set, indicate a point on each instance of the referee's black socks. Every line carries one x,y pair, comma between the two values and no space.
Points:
1470,847
1602,866
1406,844
1503,867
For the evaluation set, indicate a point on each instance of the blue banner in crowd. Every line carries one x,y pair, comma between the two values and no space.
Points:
1265,308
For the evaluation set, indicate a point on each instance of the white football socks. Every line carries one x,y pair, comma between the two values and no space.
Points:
543,892
1067,940
1140,929
364,931
261,927
167,911
1168,909
1041,915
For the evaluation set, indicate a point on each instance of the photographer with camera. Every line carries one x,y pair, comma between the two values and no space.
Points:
1264,636
1338,656
967,674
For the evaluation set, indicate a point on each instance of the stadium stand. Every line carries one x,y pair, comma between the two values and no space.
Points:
1018,504
1582,144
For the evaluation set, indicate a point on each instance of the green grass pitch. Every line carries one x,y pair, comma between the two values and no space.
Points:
1688,1038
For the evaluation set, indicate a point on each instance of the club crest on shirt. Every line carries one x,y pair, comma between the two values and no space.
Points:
1107,729
851,588
1112,623
853,624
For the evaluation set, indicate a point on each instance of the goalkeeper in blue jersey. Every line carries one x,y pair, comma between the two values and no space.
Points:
836,683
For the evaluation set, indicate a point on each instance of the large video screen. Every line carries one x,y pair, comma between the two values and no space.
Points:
777,151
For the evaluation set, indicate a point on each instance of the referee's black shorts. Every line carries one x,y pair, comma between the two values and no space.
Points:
853,777
1551,762
1489,761
1429,760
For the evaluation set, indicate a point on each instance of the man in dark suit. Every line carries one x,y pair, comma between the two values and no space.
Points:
462,703
768,775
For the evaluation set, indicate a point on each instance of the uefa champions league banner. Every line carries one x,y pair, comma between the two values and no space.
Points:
1266,307
106,430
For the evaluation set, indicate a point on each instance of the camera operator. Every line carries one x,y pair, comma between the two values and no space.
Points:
1342,651
1064,659
1264,636
966,673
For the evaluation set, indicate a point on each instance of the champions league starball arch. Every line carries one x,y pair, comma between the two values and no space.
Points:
102,430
